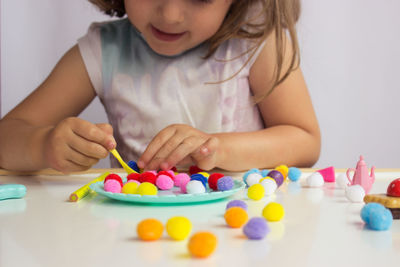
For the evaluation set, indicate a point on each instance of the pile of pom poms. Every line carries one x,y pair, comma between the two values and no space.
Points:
376,216
149,182
201,244
263,183
255,228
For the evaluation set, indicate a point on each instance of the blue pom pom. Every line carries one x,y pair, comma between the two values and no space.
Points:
294,174
366,210
249,172
133,166
199,177
264,173
380,220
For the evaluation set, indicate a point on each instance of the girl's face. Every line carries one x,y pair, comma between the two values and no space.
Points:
171,27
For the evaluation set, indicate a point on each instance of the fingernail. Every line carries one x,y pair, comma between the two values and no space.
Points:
140,164
204,150
111,145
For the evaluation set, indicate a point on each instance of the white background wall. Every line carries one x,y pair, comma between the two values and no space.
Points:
350,58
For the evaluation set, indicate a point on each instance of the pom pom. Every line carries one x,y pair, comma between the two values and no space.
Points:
342,181
283,169
264,173
202,244
315,180
113,186
237,203
366,210
294,174
246,174
269,185
355,193
130,188
195,187
225,183
168,173
253,178
178,227
194,169
199,177
236,217
147,188
213,179
183,185
133,166
256,228
380,219
149,229
164,182
256,192
148,177
133,176
114,176
277,176
273,212
181,178
205,174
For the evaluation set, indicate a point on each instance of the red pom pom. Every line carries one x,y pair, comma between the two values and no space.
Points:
213,179
148,177
174,169
194,169
114,176
166,173
133,176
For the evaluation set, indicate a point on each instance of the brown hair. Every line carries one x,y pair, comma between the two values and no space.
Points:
274,16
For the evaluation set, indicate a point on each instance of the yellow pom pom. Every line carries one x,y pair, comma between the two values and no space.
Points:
179,227
273,212
256,192
283,169
147,189
130,188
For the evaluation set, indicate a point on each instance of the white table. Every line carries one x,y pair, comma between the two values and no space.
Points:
320,228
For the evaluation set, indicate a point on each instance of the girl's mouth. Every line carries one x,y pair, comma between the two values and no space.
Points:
167,37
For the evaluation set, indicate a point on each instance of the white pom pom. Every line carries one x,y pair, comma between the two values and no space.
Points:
269,185
341,181
253,178
315,180
195,187
355,193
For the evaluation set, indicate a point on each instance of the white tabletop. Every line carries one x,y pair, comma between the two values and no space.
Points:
320,228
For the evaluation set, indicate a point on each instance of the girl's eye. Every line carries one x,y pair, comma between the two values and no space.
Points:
204,1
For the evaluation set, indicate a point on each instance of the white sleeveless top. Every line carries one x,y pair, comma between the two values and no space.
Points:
143,92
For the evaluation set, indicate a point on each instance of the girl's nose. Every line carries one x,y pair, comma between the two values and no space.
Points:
172,11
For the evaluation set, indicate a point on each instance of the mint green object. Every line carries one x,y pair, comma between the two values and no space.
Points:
8,191
173,196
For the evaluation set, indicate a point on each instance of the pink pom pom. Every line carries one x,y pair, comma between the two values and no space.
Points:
112,186
183,185
181,178
164,182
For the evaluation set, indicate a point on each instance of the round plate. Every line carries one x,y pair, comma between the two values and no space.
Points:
172,196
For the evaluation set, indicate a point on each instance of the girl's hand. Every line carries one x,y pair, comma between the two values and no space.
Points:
180,144
76,145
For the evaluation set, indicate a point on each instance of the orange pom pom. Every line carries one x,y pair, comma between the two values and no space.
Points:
202,244
236,217
150,229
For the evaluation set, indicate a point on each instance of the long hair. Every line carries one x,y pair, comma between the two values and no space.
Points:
276,17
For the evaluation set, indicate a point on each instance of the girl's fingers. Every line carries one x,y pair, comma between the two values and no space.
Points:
81,159
204,156
186,147
92,133
87,148
155,145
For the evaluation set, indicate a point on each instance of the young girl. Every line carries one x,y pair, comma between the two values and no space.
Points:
214,83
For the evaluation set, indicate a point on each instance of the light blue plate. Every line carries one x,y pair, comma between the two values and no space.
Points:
173,196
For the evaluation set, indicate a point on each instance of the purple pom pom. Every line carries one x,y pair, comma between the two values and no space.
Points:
225,183
277,176
256,228
237,203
